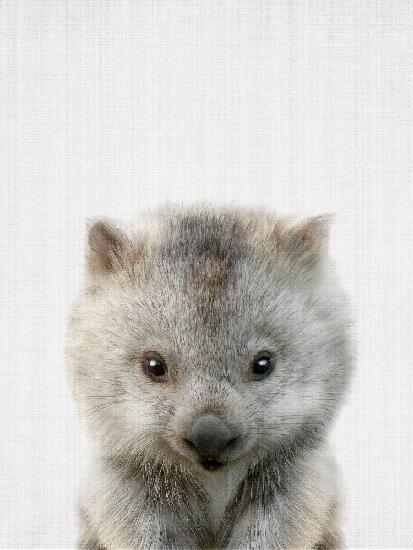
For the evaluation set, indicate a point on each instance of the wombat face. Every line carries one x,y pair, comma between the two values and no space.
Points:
208,335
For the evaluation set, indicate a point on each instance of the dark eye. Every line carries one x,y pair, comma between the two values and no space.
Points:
154,366
263,364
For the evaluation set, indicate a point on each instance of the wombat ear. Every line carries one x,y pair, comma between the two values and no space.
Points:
108,247
307,241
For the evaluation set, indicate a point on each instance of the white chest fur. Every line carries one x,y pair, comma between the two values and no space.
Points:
221,487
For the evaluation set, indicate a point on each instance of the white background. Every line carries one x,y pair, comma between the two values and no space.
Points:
108,107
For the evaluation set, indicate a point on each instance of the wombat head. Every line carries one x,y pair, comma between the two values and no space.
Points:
205,335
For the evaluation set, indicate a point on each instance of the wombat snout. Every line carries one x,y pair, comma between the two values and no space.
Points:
209,436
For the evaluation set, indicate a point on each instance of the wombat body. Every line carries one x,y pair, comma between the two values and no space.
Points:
209,351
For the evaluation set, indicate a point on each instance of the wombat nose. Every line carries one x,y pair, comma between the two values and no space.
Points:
210,436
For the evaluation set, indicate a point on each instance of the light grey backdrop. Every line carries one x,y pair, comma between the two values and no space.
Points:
108,107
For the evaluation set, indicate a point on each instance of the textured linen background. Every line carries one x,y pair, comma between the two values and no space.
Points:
108,107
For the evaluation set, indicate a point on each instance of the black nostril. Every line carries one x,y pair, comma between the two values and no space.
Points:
210,436
189,444
231,443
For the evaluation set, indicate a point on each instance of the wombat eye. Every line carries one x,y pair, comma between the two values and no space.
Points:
263,364
154,366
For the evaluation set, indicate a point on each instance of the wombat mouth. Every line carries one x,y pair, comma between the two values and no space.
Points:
211,464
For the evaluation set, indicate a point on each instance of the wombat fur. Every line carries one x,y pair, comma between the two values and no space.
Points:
209,351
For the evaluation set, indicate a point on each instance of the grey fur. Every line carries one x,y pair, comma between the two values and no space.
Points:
207,288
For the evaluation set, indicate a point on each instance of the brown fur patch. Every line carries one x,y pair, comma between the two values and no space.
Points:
210,273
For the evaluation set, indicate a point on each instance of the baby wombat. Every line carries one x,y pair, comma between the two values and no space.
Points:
209,352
